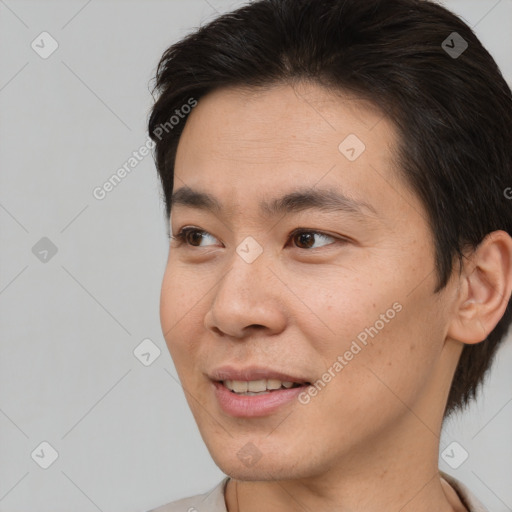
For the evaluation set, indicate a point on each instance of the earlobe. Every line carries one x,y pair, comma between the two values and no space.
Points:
484,289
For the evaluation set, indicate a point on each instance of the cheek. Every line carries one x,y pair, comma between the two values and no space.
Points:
180,294
333,305
371,333
168,302
393,365
180,306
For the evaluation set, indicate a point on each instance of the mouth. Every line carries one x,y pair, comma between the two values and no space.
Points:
259,387
256,398
255,391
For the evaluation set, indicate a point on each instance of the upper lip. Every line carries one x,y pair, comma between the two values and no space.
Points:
253,373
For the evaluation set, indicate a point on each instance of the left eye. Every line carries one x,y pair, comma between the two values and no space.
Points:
305,238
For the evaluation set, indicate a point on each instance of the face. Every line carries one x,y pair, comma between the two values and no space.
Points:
345,304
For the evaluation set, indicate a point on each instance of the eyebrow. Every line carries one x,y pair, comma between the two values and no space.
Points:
328,200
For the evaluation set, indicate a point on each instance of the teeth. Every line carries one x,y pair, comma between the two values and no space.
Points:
256,386
273,384
237,386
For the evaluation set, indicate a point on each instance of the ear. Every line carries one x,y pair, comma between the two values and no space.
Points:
485,286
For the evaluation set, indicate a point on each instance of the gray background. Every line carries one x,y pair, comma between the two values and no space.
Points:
125,438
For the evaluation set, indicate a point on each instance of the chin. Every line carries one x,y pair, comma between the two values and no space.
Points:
266,468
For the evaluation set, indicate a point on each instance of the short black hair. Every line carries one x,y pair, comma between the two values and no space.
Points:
419,64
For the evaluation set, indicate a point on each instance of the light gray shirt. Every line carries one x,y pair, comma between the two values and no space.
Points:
213,500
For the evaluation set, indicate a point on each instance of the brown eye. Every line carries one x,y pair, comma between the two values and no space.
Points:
306,239
191,236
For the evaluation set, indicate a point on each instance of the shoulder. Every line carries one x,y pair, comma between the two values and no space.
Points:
210,501
469,500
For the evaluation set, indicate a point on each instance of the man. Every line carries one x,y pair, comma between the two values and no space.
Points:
340,266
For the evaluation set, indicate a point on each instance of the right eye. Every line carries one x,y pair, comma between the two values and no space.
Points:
190,236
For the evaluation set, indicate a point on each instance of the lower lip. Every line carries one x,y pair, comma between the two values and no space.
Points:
251,406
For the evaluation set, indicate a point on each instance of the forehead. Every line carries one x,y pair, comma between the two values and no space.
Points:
281,123
239,144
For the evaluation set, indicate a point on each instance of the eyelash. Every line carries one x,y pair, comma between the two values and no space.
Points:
181,236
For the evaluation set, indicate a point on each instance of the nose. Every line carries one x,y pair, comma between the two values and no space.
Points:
247,299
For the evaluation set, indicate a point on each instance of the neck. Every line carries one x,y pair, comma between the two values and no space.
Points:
277,496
